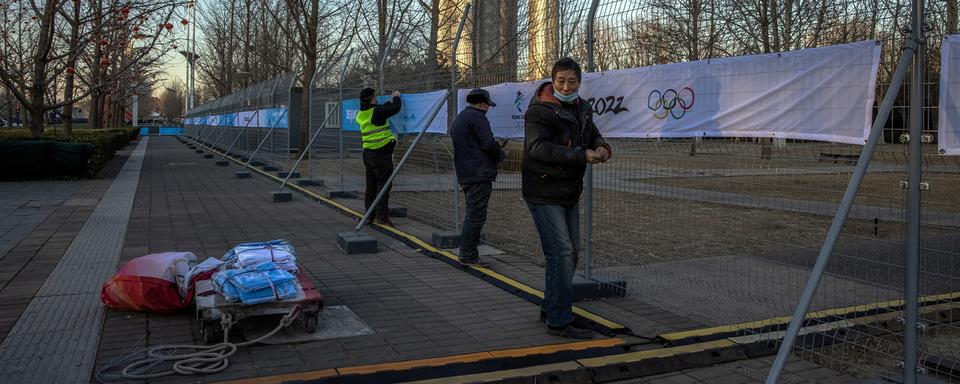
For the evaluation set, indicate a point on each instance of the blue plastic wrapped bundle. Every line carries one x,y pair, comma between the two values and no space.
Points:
248,255
263,284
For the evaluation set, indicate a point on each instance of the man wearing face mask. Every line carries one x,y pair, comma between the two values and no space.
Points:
560,139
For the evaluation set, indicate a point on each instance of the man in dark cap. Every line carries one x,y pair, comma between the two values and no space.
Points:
475,154
378,145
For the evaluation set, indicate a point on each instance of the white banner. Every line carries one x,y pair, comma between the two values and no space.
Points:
822,94
948,135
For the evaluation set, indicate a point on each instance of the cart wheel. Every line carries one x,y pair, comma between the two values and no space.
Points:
209,331
310,323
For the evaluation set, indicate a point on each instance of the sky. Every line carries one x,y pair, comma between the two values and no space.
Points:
176,66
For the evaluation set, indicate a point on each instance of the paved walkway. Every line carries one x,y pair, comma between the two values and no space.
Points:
55,336
166,197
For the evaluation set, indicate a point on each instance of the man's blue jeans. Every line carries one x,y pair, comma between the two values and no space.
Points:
559,230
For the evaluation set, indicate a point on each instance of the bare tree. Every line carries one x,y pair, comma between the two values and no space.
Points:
41,53
172,99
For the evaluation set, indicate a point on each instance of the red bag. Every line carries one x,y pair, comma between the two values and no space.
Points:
150,283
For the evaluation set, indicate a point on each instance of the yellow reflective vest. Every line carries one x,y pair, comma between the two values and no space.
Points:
374,136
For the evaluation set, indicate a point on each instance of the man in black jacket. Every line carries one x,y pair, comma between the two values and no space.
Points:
560,139
475,154
378,145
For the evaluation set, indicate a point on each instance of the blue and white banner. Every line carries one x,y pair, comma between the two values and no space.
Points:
822,94
264,118
413,115
948,136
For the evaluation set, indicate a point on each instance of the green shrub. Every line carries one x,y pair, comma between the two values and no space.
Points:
105,141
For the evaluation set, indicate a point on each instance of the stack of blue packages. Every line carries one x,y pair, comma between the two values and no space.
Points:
246,255
263,283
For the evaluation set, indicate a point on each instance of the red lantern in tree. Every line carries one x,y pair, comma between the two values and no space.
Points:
71,70
136,29
168,26
104,42
174,46
184,22
104,61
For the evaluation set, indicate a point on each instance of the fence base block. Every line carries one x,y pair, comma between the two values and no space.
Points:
244,159
310,183
208,156
242,174
281,196
398,211
352,243
584,289
257,163
270,168
343,194
199,151
446,239
222,163
293,175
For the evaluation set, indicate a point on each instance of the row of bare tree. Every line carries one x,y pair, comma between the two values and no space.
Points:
58,53
509,40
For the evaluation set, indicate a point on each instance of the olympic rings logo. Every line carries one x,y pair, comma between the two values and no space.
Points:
670,102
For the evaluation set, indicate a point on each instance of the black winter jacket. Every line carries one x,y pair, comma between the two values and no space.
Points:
556,138
475,152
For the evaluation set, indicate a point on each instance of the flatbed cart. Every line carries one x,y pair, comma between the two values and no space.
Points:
216,315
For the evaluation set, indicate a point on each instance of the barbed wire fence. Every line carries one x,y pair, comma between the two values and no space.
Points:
722,231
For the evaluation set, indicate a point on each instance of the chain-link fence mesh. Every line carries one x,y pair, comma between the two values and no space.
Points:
722,231
264,115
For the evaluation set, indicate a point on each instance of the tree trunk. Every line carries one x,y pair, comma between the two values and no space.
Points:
40,60
952,16
68,86
97,97
309,68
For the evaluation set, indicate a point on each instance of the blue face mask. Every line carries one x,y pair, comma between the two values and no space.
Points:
566,98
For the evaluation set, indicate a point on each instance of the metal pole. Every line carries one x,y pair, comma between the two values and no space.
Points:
193,50
217,140
309,146
912,272
296,164
453,100
256,116
588,199
786,347
269,131
373,206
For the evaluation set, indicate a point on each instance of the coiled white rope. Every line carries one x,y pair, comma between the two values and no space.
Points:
205,359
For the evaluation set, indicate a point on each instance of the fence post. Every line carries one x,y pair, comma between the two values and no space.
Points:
876,132
912,273
386,187
267,135
588,208
317,134
453,99
255,117
297,163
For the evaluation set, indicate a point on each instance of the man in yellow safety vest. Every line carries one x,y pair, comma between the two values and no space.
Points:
378,145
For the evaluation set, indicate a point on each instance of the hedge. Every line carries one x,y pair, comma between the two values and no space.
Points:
105,143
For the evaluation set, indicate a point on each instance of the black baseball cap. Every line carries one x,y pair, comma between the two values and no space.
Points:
480,95
366,93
